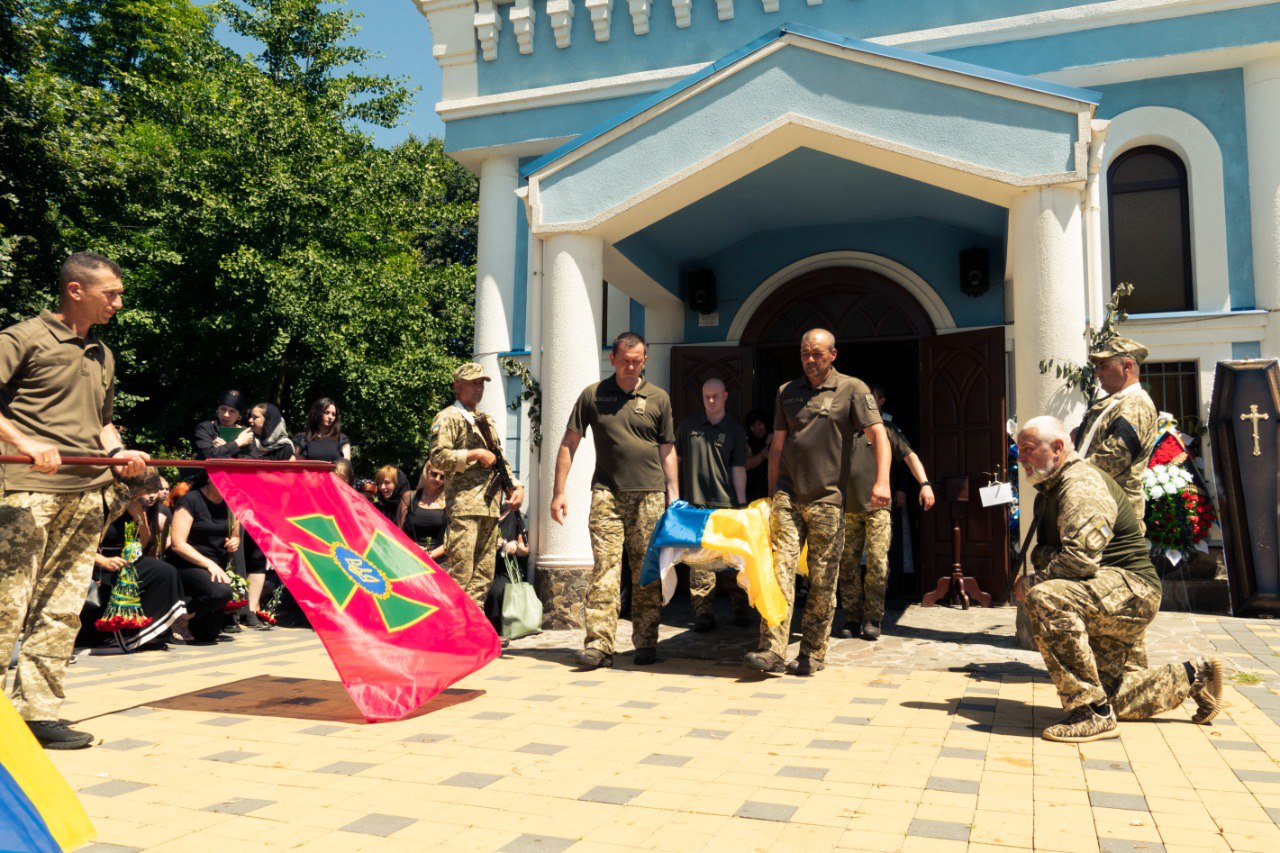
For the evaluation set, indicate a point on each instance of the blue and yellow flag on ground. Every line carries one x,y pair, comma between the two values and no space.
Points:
738,537
38,810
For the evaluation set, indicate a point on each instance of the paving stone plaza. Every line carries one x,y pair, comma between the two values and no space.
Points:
927,740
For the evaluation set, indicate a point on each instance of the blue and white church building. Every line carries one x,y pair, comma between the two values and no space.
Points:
953,187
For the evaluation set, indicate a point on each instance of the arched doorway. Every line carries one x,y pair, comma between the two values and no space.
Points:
945,392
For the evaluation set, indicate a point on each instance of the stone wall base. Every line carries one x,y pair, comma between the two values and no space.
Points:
563,593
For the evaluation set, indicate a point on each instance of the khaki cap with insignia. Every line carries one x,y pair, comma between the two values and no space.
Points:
470,370
1120,346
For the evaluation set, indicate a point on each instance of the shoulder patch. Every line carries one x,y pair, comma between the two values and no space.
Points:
871,401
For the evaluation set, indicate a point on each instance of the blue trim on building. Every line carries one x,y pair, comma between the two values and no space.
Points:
922,59
515,353
520,297
637,318
1246,349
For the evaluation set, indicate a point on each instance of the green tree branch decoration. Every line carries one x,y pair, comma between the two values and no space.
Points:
1080,377
532,393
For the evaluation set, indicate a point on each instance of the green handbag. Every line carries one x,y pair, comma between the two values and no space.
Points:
521,609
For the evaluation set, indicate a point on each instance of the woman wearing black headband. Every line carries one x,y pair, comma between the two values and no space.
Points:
217,438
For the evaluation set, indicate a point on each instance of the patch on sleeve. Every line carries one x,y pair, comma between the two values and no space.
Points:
1093,534
871,402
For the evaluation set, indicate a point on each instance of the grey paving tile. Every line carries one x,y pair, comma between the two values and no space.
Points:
953,786
607,794
218,694
542,697
768,696
709,734
1240,745
595,725
986,691
957,752
538,844
796,772
141,687
345,768
1274,814
830,744
852,721
944,829
635,703
1270,777
1104,764
541,748
103,847
865,700
586,682
322,730
114,788
1119,845
491,715
765,811
125,744
136,712
239,805
471,780
231,756
1107,800
503,677
425,738
379,824
225,721
670,689
666,760
742,712
302,700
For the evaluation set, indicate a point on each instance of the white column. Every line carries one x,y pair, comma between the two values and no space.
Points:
495,279
663,329
1262,123
1048,305
572,272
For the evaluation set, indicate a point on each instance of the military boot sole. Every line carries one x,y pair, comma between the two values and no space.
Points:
1109,734
1206,711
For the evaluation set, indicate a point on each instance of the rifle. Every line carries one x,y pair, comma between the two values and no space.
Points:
501,472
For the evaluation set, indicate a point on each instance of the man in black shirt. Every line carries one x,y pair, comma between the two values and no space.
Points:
712,449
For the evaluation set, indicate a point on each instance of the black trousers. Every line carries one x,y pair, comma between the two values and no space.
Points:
255,561
160,592
205,602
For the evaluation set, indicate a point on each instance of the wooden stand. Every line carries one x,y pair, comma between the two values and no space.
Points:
958,588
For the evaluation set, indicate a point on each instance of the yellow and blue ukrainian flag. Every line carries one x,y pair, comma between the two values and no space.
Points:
38,810
739,536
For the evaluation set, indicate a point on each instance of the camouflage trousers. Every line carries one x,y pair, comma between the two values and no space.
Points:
47,543
702,589
622,520
1088,632
862,589
791,525
471,553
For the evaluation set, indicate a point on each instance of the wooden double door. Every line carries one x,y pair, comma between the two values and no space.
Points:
947,393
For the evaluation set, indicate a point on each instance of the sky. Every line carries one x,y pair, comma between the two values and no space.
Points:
398,31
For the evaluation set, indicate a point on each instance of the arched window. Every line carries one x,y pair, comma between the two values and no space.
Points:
1150,230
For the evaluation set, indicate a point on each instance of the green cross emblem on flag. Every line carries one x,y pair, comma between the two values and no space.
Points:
343,572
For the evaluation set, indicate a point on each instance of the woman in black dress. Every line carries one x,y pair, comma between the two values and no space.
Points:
759,438
323,440
270,441
202,537
159,587
421,513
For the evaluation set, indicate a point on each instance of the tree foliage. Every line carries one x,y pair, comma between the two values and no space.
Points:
268,244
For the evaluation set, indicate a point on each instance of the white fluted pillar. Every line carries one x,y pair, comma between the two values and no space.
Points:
1050,295
663,330
495,279
572,274
1262,123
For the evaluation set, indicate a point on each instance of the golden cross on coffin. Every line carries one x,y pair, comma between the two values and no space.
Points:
1255,416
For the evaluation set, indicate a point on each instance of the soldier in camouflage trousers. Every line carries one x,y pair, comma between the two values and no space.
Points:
862,588
622,520
791,526
460,446
1099,594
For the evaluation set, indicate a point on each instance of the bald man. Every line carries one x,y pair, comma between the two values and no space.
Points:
817,418
712,449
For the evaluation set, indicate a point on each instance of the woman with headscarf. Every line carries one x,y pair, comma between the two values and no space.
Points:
323,439
219,438
270,441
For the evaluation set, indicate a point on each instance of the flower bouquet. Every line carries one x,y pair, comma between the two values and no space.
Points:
124,611
1179,514
239,593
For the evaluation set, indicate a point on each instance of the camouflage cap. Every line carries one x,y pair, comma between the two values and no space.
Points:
1119,346
470,370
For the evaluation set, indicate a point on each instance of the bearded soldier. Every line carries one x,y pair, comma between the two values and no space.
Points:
465,447
1119,431
1098,593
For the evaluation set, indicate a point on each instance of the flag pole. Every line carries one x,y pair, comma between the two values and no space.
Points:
224,464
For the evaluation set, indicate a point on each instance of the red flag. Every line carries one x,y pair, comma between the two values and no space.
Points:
397,627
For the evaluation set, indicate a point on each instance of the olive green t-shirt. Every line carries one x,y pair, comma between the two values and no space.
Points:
708,454
820,424
626,429
58,388
862,466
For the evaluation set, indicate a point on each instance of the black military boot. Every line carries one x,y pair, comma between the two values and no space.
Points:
871,629
802,665
764,662
55,734
592,659
645,657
